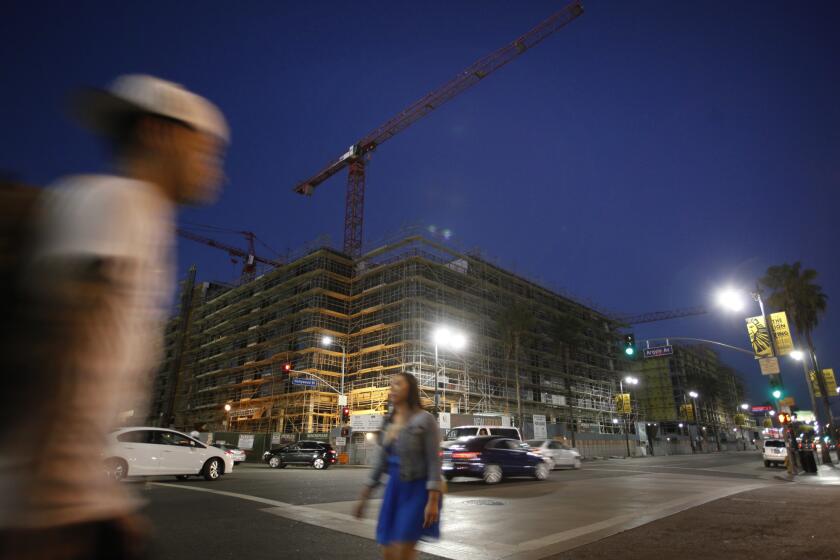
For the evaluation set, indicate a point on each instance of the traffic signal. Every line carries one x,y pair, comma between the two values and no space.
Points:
629,344
287,367
777,394
345,414
784,418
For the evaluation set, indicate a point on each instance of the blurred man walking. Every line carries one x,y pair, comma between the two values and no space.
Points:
95,290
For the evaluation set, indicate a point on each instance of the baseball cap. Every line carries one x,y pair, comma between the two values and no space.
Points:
100,109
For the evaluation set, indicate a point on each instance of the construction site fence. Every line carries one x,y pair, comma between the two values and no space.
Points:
361,450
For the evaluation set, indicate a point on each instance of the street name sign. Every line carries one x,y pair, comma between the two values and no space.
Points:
303,381
769,366
659,351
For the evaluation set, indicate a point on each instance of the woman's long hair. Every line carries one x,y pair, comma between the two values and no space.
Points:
413,397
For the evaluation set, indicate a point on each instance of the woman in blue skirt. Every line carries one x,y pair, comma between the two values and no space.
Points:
409,452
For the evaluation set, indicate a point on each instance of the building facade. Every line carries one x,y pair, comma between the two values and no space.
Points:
667,383
380,311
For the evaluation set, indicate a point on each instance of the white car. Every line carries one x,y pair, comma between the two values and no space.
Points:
555,453
143,451
775,452
237,454
471,431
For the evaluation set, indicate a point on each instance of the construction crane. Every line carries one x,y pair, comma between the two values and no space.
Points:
249,257
354,157
654,316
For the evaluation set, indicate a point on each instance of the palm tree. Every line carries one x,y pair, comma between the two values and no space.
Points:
565,333
794,291
516,321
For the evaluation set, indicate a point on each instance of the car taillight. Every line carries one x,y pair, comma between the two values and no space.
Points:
228,452
465,455
440,454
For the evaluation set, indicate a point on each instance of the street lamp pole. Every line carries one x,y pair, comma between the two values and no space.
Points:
446,338
437,369
329,341
630,381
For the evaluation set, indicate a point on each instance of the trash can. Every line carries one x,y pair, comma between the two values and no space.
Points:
808,461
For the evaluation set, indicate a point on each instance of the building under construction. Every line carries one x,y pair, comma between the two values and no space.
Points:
668,383
232,345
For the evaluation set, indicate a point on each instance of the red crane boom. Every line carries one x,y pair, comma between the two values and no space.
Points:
354,158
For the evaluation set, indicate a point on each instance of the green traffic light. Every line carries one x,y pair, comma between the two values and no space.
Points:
629,351
777,394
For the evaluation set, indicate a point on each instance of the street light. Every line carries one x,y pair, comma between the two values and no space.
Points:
693,394
630,380
730,299
328,341
797,355
444,337
227,416
744,406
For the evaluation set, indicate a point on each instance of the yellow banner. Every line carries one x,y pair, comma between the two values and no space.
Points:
759,336
622,403
781,332
830,382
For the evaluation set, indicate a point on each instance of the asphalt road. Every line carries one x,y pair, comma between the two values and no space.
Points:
256,512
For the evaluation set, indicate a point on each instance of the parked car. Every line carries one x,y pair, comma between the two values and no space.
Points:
774,453
555,453
143,451
317,454
237,454
464,431
492,459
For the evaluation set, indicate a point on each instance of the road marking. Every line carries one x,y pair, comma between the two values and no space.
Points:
579,536
617,470
527,550
343,523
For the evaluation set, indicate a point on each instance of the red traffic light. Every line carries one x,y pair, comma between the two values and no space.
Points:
287,367
345,414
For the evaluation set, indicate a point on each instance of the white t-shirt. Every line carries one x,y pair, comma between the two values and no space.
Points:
51,472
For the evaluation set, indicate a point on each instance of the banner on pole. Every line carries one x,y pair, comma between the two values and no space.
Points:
687,412
830,382
622,403
759,336
781,332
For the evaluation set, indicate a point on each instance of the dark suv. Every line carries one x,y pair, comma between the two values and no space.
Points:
492,458
318,454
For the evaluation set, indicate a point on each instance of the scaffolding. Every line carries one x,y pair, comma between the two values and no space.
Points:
383,308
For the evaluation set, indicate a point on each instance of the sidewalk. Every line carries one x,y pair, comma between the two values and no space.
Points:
779,521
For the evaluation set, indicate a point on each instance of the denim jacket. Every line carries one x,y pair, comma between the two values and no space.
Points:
418,446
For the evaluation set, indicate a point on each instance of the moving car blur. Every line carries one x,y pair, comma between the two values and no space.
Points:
555,453
492,458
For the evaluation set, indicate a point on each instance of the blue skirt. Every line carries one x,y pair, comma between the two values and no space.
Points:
403,509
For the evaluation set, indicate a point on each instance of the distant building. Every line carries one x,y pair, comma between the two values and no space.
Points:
231,347
663,394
